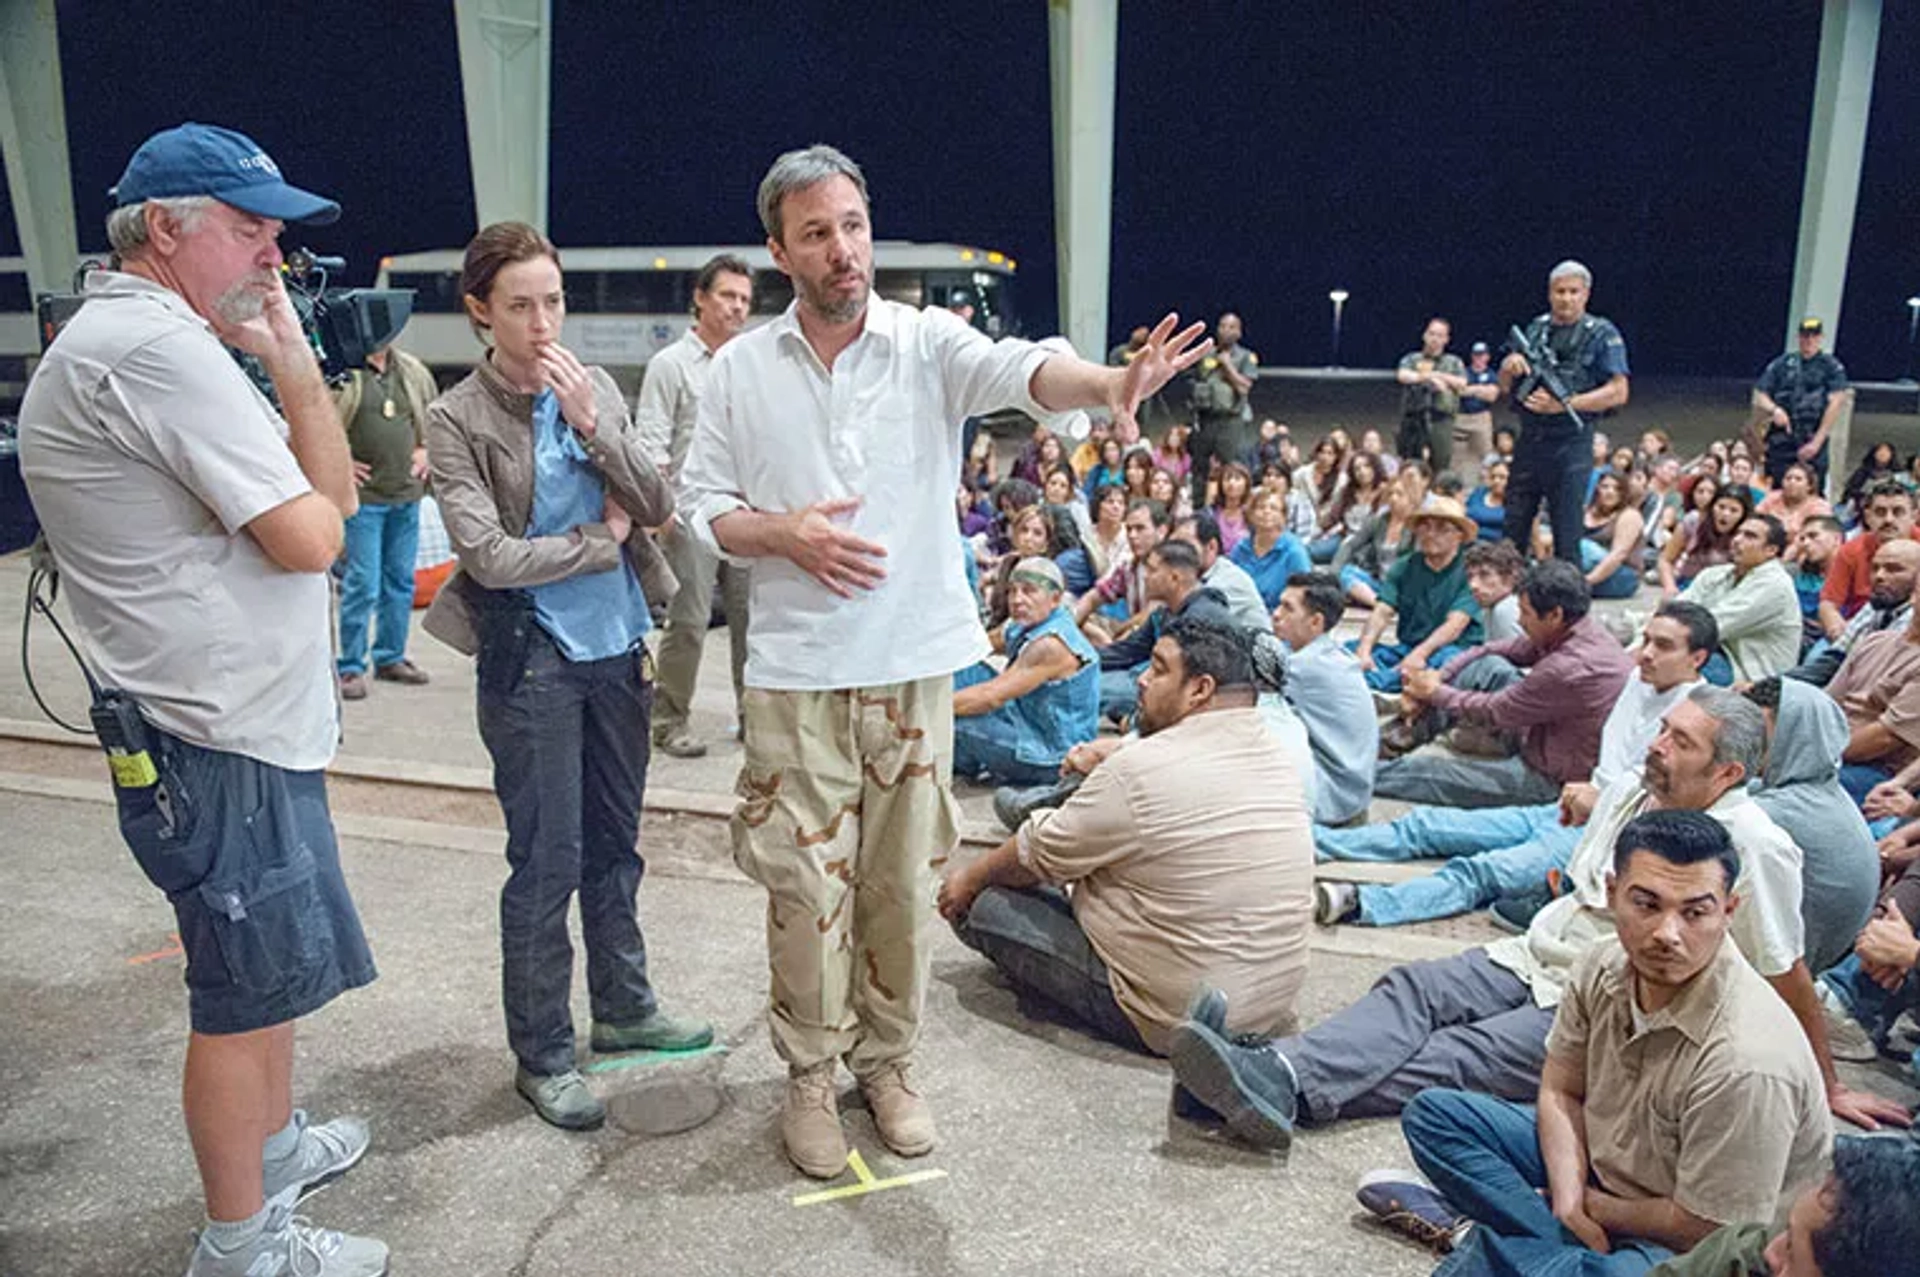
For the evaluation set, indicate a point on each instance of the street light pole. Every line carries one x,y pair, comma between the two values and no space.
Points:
1913,331
1339,299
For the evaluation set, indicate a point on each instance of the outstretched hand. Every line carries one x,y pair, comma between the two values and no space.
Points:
1165,356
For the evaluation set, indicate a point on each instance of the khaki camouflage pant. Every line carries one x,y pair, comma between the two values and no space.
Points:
845,817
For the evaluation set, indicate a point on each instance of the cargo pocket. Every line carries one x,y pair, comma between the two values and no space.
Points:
161,822
261,909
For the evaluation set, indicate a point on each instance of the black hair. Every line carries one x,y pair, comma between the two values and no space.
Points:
1680,838
1447,484
1555,583
1873,1227
724,264
1826,521
1156,510
1321,592
1500,557
1063,530
1703,632
1765,693
1206,528
1178,555
1100,497
1886,488
1776,532
1219,651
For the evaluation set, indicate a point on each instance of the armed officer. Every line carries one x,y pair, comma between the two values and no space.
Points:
1801,395
1553,458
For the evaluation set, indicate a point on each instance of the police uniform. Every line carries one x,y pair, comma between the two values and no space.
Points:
1552,459
1225,432
1803,387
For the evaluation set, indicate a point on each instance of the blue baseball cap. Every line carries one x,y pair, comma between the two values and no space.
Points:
204,159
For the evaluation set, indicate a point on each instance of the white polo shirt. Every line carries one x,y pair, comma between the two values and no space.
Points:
777,431
147,452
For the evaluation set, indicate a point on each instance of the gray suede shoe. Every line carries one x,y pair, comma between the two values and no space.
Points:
562,1099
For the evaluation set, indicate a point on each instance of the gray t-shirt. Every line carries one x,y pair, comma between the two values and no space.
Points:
147,452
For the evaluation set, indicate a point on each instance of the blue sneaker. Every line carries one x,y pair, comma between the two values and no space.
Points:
1244,1080
1406,1203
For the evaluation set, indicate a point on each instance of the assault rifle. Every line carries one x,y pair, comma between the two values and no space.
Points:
1545,374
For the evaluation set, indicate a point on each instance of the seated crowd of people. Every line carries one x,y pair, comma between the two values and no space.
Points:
1695,815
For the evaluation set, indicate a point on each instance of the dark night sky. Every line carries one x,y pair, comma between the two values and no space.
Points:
1433,157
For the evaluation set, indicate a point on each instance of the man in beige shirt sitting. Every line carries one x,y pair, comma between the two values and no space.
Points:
1189,854
1678,1095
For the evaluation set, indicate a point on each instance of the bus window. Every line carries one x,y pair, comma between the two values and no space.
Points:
434,292
643,292
906,286
772,292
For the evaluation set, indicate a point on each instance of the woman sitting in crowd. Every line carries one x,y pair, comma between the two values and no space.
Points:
1171,454
1136,472
1364,558
979,470
1615,534
1107,471
1162,487
1487,505
1302,519
1362,496
1230,505
1708,543
1270,553
1740,476
1881,462
1107,548
1324,480
1793,503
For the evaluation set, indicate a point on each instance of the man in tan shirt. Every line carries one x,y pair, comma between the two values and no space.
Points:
1190,859
1678,1094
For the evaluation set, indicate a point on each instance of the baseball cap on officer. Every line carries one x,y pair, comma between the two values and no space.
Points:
1811,326
204,159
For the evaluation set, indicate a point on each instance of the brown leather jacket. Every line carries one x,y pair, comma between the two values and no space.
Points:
480,447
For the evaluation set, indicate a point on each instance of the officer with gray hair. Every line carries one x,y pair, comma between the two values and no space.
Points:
1550,461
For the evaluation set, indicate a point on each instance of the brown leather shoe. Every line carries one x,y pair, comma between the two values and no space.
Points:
903,1119
353,687
403,671
810,1124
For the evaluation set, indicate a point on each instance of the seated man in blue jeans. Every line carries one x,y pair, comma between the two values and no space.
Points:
1189,853
1552,687
1426,594
1678,1095
1016,725
1500,851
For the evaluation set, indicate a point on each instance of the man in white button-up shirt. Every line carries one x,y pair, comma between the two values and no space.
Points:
826,450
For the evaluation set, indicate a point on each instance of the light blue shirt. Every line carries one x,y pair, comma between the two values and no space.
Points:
597,614
1329,694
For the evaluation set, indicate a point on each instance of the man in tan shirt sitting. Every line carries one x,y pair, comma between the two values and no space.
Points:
1679,1093
1189,854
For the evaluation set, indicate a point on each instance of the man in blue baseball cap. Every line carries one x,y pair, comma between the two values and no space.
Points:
195,525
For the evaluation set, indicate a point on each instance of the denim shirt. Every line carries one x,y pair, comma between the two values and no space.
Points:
594,615
1060,714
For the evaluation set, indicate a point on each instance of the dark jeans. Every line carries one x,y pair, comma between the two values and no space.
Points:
1460,1021
1484,1154
1551,463
1227,438
569,743
1033,937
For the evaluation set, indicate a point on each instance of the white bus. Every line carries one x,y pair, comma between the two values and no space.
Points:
625,304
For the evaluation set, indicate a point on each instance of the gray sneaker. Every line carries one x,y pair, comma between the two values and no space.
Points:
1847,1038
1246,1082
562,1099
323,1155
290,1246
658,1032
1012,804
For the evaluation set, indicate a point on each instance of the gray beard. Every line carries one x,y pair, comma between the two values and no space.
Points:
240,304
834,312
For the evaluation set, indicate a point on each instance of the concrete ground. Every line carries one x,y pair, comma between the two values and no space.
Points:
1057,1153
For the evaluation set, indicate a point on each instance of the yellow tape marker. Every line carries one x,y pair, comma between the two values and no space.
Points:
866,1182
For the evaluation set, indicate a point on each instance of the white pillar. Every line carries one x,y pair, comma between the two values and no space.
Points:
1084,35
1849,39
33,134
506,53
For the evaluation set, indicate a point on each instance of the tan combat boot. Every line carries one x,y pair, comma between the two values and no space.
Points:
904,1121
810,1124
